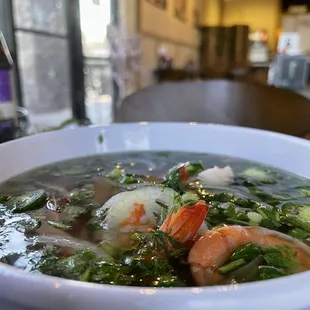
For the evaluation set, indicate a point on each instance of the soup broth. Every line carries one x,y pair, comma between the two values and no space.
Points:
133,219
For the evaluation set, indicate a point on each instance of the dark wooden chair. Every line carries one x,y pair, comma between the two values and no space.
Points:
220,102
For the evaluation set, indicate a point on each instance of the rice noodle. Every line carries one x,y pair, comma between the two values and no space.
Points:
70,242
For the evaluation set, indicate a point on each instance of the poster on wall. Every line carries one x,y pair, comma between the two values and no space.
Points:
161,4
180,9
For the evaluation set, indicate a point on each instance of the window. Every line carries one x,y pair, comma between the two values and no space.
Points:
43,58
95,17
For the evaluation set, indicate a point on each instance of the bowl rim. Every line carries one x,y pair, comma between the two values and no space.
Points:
270,288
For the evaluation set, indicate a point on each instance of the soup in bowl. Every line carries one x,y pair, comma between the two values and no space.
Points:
120,217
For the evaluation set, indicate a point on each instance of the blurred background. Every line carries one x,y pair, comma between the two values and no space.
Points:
78,59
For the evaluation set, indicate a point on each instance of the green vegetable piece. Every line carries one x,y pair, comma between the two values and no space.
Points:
107,272
115,174
255,218
82,194
281,256
299,233
189,197
245,273
127,179
96,225
109,249
269,272
180,173
236,198
303,191
27,225
232,266
75,266
238,222
296,215
194,168
100,139
72,212
260,175
85,276
60,225
4,198
247,252
30,201
270,216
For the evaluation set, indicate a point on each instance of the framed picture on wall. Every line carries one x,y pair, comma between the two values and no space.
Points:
161,4
180,9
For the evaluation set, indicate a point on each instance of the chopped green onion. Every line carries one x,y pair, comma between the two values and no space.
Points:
59,225
255,218
247,252
232,266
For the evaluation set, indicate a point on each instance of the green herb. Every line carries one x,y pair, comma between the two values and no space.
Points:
245,273
259,175
60,225
255,218
299,233
270,216
27,225
220,196
4,198
252,262
188,197
84,194
158,242
180,173
305,192
115,174
100,138
232,266
247,252
296,215
109,272
281,256
72,212
30,201
85,276
122,177
127,179
269,272
96,225
72,267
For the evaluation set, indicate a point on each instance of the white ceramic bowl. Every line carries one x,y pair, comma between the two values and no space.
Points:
49,293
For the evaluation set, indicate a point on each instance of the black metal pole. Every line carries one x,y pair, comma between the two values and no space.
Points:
76,60
8,30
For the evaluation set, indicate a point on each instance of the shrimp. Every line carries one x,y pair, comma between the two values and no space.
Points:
138,211
185,224
216,246
135,210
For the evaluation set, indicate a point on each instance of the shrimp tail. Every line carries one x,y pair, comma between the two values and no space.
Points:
184,224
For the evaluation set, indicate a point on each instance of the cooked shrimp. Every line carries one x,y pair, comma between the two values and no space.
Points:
184,224
216,246
136,210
